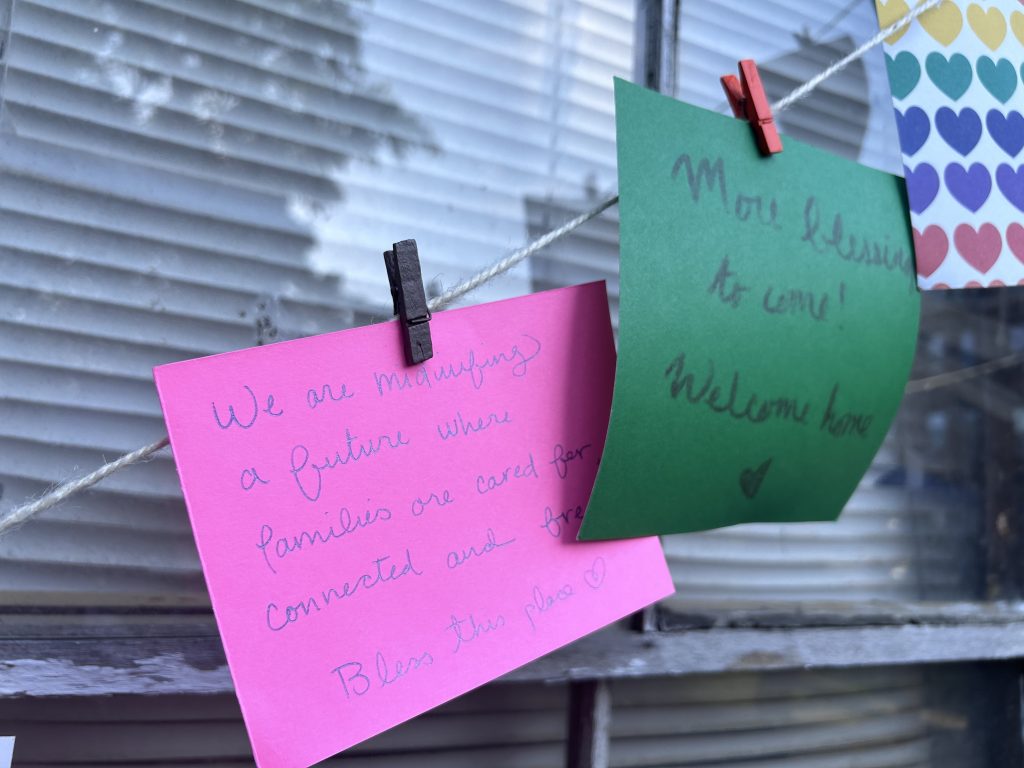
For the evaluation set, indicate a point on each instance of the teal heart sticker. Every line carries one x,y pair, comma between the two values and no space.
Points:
953,76
998,77
904,74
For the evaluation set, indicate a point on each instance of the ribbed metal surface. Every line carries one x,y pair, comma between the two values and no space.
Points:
869,719
864,719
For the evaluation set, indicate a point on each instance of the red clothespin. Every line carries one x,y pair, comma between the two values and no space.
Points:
748,101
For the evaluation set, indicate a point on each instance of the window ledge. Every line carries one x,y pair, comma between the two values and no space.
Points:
90,655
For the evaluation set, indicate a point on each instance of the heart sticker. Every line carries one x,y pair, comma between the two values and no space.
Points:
962,132
998,77
979,248
904,73
930,248
969,187
989,26
890,13
952,76
1015,239
922,186
1017,25
1011,184
943,23
913,128
1007,131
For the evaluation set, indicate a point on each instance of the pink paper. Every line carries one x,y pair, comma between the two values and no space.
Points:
378,539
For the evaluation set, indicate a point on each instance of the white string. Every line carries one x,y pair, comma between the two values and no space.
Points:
57,495
20,514
844,62
504,265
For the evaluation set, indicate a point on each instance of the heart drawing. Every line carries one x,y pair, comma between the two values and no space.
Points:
751,479
594,575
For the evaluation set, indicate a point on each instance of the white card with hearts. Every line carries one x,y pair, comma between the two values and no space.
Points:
955,74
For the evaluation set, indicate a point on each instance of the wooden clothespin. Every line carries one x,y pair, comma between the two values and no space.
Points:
409,299
748,101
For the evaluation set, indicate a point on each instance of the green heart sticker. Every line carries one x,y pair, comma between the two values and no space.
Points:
998,77
904,74
953,76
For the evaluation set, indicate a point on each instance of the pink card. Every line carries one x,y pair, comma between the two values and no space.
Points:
378,539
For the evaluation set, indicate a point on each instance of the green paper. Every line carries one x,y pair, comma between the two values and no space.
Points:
768,320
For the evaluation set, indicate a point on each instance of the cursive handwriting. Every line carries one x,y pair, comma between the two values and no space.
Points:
751,407
279,619
250,478
542,603
711,177
486,484
849,247
419,506
474,366
308,476
462,426
468,630
720,286
795,302
455,559
843,424
346,524
255,410
355,682
554,523
326,393
387,674
562,457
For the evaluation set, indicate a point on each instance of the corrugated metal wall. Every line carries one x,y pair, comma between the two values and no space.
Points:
864,719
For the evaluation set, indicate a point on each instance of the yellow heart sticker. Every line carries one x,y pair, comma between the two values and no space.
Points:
943,23
989,26
890,13
1017,24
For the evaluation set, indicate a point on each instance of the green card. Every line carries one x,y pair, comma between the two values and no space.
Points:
768,320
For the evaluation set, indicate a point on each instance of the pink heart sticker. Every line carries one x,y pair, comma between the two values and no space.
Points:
980,248
930,248
1015,239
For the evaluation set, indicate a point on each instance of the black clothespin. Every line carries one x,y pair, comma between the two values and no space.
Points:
748,101
410,301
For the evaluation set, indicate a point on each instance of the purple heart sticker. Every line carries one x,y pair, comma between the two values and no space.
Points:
969,187
913,127
1011,184
922,186
1007,132
962,132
